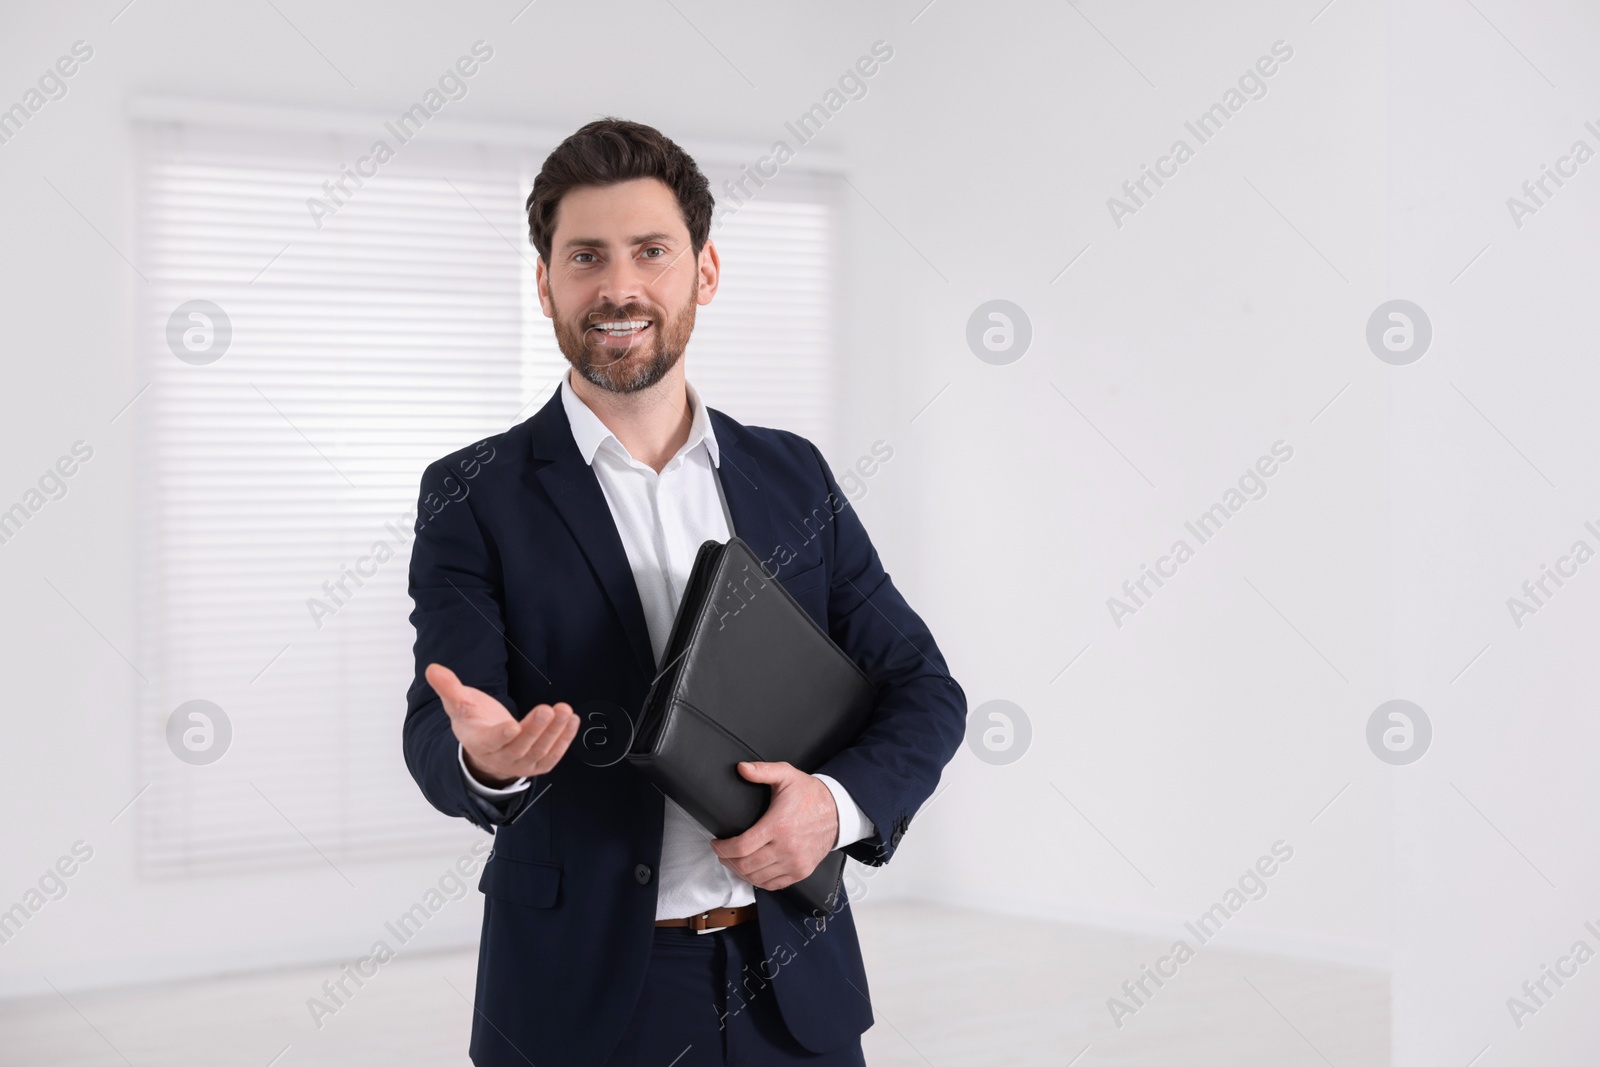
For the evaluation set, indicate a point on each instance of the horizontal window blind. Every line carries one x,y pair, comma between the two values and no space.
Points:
404,327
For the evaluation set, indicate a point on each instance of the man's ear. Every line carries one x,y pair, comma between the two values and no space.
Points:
541,278
710,271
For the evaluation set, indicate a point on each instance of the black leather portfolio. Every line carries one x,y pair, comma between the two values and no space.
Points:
747,675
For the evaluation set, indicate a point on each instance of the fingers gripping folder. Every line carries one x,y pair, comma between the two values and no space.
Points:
748,675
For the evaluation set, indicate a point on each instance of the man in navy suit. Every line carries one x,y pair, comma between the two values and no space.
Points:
548,564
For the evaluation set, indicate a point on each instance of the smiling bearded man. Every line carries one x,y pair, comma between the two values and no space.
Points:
615,929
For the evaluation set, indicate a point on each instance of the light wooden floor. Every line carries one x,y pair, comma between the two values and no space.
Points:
950,988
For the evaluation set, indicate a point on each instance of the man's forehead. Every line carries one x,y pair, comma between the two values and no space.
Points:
631,212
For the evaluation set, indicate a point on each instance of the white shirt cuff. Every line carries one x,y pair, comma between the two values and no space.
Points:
853,822
486,790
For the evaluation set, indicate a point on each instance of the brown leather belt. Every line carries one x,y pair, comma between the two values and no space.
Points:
716,917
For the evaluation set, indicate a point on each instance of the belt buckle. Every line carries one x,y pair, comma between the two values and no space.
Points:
701,923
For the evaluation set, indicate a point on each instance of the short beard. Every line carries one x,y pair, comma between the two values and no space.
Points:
631,370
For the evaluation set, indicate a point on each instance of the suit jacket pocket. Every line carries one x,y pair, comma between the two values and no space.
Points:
526,882
801,581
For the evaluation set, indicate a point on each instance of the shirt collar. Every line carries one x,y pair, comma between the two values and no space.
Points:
590,433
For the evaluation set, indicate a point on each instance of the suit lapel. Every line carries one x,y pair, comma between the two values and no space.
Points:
744,487
581,504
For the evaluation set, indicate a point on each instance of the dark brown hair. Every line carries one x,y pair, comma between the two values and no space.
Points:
612,150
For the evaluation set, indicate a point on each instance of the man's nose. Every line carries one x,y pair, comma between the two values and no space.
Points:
622,283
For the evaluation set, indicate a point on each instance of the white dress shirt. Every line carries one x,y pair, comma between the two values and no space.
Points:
663,519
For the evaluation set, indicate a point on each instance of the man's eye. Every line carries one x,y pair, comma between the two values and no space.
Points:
651,251
579,256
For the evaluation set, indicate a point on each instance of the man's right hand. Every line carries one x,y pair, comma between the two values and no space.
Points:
498,748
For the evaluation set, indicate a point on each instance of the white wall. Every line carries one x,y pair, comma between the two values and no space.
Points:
1193,337
1493,478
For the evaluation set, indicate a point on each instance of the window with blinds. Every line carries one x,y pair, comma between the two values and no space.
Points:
279,478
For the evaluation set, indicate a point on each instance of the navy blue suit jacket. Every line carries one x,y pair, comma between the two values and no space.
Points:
522,587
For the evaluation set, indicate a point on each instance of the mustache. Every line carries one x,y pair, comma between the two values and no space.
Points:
612,312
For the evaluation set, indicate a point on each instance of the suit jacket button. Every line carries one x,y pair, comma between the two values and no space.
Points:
641,874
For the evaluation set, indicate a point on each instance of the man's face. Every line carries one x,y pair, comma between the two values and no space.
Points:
623,283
